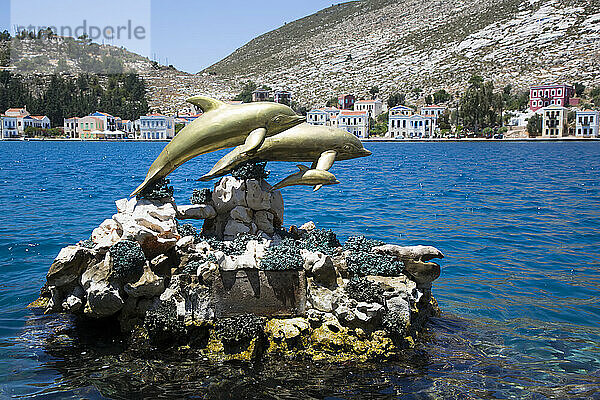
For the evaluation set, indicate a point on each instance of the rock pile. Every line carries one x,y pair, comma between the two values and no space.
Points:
243,286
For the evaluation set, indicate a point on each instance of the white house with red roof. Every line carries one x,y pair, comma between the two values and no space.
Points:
19,114
433,110
157,127
36,121
372,107
355,122
322,116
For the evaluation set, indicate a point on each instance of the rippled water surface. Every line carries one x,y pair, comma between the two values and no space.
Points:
520,285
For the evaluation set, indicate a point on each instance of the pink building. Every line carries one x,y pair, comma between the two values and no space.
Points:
550,95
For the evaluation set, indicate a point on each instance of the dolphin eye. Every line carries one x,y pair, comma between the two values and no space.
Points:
347,147
277,119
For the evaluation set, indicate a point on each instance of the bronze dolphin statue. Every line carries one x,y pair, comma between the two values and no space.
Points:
221,126
309,177
321,145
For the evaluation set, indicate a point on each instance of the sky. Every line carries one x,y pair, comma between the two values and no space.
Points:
191,35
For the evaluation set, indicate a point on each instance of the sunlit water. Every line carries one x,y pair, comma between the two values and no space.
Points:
520,285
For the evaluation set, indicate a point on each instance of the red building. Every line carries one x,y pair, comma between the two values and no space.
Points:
346,102
550,95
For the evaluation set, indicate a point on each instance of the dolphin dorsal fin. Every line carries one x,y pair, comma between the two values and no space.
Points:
302,167
205,103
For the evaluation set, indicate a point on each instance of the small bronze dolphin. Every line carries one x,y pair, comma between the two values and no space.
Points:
222,125
321,145
310,177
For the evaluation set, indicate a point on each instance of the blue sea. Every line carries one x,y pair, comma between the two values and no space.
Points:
519,224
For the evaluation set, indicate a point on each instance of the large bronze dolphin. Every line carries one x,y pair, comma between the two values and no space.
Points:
321,145
221,126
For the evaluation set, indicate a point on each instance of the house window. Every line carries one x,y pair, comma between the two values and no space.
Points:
559,92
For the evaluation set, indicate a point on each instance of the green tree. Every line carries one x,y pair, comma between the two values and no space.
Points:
246,94
534,125
396,99
441,96
428,99
579,89
374,91
480,107
332,102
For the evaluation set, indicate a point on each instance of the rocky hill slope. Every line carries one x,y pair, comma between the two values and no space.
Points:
426,44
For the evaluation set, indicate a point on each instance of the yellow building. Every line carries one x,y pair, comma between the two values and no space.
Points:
89,126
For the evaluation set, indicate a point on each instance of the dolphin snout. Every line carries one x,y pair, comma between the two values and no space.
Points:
365,153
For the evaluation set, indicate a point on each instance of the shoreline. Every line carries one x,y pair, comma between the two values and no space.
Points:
368,140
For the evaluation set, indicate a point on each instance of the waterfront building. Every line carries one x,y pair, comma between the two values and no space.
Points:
401,110
346,101
70,127
125,125
403,126
550,95
9,127
283,97
586,123
322,116
433,110
355,122
157,127
90,127
554,122
317,117
36,121
19,114
110,122
261,95
372,107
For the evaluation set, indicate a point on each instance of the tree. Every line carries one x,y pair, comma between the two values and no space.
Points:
332,102
374,91
480,107
246,94
428,99
534,125
595,96
396,99
441,96
579,89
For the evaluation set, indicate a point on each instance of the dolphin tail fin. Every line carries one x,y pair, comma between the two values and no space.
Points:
205,103
141,187
317,187
302,167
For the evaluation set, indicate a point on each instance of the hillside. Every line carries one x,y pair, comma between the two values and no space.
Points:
167,88
427,44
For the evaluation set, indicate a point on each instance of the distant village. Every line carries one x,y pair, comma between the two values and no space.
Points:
550,104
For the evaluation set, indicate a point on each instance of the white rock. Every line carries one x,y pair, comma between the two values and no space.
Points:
107,234
242,214
196,211
74,300
366,312
258,199
103,299
257,249
229,193
185,242
344,313
149,285
308,226
68,265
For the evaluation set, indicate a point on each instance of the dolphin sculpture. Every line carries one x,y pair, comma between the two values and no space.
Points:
321,145
310,177
221,126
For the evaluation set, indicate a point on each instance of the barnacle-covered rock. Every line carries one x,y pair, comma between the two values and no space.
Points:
283,256
128,260
201,196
